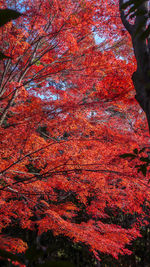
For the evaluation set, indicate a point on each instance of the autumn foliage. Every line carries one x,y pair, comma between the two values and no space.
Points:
67,114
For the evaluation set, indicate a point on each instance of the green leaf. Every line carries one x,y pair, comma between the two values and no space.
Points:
7,15
37,63
2,56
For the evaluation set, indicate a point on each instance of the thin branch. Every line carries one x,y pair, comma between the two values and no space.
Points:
3,75
28,155
5,111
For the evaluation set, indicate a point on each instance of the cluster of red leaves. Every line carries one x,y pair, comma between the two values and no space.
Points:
67,112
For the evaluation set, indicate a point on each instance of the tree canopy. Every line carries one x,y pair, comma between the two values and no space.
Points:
67,113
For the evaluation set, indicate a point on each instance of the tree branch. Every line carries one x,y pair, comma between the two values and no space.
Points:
126,24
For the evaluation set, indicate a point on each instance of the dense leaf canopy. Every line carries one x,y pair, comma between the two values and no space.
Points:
67,114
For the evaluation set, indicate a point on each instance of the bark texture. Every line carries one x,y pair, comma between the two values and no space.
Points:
141,46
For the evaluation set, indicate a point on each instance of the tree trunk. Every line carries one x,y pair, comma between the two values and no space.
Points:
141,46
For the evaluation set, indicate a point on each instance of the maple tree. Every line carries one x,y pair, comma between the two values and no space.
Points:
67,113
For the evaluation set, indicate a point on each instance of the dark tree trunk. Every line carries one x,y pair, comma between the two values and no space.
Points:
141,46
